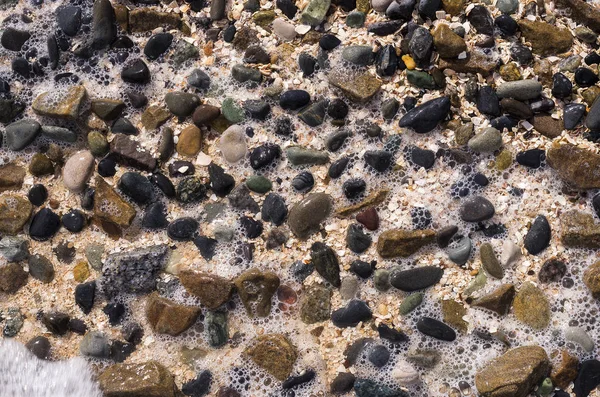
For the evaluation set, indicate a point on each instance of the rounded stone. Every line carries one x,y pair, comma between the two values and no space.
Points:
77,171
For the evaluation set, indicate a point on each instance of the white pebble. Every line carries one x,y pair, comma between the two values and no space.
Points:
404,373
284,29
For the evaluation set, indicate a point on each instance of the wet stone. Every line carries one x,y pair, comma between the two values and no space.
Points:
256,289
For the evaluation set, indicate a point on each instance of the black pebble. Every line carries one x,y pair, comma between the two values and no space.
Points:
119,351
592,58
521,54
155,216
588,378
297,380
163,183
351,314
391,334
307,63
13,39
137,73
303,182
294,99
21,66
199,79
74,220
561,86
507,25
328,42
198,387
531,158
337,168
124,126
337,109
379,355
85,294
220,182
252,227
288,7
357,240
38,194
40,347
343,383
44,225
354,188
107,167
182,229
137,99
421,157
57,323
538,236
264,155
206,245
283,126
132,333
585,77
274,209
229,33
436,329
487,101
379,160
361,268
115,312
552,271
137,187
69,19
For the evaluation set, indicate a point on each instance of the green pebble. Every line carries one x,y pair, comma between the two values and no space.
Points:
475,285
217,328
420,79
545,388
97,143
259,184
232,111
410,303
381,280
356,19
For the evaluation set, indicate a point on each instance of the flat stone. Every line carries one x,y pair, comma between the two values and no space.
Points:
579,230
144,19
297,155
475,62
415,279
359,87
315,12
576,166
131,153
15,211
488,140
168,317
12,277
490,262
514,374
476,209
326,263
107,109
547,125
565,372
499,301
404,243
67,104
274,353
256,289
213,291
372,200
154,116
531,307
134,271
11,177
110,207
21,133
137,380
190,141
521,90
447,43
453,313
545,38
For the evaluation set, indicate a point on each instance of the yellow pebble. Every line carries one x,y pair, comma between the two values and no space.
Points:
409,62
81,271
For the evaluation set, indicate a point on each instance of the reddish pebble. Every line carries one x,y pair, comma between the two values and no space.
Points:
286,294
369,218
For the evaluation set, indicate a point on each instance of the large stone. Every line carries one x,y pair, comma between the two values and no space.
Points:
359,87
212,290
306,216
404,243
154,116
475,62
60,105
256,289
15,211
447,43
110,207
453,313
134,271
315,12
545,38
579,230
531,307
575,165
144,19
566,371
168,317
274,353
148,379
514,374
12,277
11,177
582,12
131,153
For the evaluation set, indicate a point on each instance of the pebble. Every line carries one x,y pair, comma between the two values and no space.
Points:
157,45
410,303
355,19
561,86
283,29
136,72
137,187
274,209
298,156
436,329
531,158
348,288
578,336
585,77
95,344
587,378
507,6
426,116
259,184
85,295
14,249
232,144
294,99
572,114
489,261
21,133
481,19
379,355
521,90
44,224
39,346
220,182
315,12
358,55
357,240
306,216
264,155
155,216
379,160
487,101
510,253
354,312
538,236
69,19
326,263
74,221
303,182
460,251
415,279
476,209
488,140
354,188
404,373
182,229
199,79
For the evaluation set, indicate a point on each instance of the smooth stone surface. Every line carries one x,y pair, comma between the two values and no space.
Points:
297,156
489,261
426,116
415,279
578,336
489,140
232,144
499,300
21,133
436,329
538,236
521,90
460,251
476,209
168,317
354,312
306,216
146,378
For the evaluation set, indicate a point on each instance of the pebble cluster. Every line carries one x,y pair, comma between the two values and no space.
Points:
382,198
